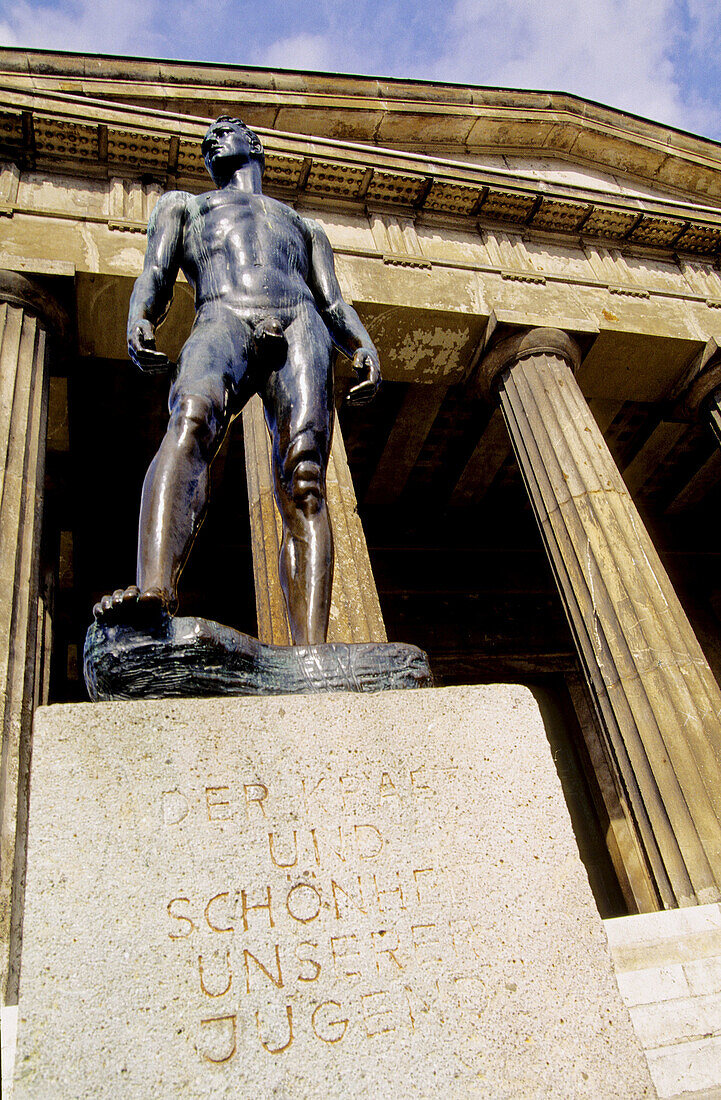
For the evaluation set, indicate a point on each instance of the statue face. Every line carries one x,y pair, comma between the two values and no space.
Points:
226,146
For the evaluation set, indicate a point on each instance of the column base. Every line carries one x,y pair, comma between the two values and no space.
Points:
197,657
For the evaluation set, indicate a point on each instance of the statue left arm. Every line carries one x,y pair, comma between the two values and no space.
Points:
347,330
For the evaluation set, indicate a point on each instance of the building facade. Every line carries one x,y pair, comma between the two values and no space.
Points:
534,495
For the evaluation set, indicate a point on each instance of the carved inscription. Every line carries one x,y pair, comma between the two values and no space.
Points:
333,925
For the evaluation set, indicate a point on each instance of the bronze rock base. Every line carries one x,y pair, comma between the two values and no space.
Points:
197,657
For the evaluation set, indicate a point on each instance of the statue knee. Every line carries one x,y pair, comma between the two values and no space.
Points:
194,423
305,484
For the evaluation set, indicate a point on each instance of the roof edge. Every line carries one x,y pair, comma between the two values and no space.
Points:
61,63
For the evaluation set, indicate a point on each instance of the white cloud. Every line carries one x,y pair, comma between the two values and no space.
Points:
96,26
656,58
7,35
301,51
615,51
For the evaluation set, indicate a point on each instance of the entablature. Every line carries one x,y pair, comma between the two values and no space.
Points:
61,133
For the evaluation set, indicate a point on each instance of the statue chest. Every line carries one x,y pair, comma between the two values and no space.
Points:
245,233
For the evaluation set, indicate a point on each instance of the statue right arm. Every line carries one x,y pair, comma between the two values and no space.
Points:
153,290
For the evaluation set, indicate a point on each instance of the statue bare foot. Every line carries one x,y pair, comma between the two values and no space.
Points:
133,607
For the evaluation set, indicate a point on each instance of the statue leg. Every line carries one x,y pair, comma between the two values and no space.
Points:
175,495
209,388
298,402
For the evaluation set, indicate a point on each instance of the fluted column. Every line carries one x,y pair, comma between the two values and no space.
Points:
27,317
698,396
657,700
355,612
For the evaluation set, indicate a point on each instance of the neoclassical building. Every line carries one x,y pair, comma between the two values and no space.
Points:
533,497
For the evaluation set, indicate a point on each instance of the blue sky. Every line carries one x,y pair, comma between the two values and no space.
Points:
657,58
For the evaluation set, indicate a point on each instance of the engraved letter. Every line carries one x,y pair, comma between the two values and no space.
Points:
201,971
338,947
339,850
232,1038
387,787
467,939
380,894
310,962
306,903
313,791
417,786
471,993
322,1025
277,982
350,785
422,883
424,1005
179,916
218,809
374,1013
277,1050
349,899
216,927
425,944
247,908
380,947
255,794
368,840
271,837
175,807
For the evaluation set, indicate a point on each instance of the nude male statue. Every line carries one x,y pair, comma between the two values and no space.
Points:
268,312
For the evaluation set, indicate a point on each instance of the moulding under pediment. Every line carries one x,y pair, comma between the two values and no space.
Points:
63,133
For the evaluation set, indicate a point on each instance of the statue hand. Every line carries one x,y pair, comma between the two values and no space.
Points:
367,367
142,350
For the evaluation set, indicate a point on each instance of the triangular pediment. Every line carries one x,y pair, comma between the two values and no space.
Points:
565,172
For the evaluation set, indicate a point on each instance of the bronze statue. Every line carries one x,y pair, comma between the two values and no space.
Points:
268,312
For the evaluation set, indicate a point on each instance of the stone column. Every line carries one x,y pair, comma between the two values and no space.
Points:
698,396
355,613
658,703
27,316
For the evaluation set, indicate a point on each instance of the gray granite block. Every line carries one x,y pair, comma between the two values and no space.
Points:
312,896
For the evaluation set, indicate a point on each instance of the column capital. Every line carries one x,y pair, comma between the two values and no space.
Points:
698,385
31,295
510,347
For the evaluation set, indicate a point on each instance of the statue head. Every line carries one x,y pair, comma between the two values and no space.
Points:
228,144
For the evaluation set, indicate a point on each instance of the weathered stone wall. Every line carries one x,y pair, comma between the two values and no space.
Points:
668,968
452,275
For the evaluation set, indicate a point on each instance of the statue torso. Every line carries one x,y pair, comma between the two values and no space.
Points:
245,250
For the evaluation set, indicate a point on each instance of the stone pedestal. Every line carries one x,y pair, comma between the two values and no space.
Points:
27,314
308,897
658,702
355,611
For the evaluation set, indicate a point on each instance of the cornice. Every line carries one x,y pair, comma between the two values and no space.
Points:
70,134
391,113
